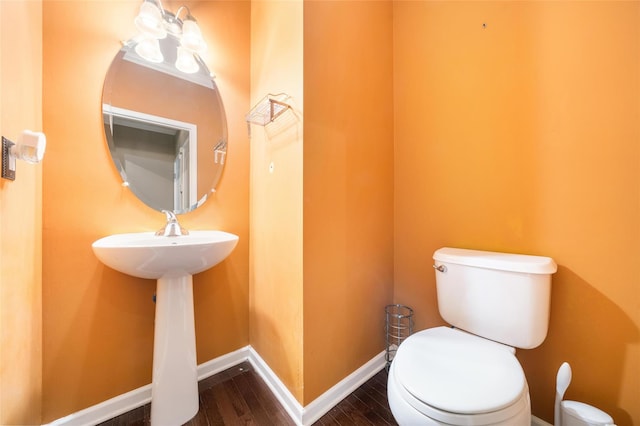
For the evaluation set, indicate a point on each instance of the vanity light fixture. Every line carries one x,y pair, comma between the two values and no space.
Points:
154,22
29,148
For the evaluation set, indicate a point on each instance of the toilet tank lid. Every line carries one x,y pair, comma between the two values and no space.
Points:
494,260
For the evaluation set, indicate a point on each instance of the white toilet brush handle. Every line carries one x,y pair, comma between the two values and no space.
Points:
563,379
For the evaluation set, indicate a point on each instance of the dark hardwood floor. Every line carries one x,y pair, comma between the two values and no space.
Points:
239,396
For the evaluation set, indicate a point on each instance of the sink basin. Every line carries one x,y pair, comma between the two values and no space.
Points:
172,261
145,255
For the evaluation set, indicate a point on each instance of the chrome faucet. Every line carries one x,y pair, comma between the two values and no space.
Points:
172,228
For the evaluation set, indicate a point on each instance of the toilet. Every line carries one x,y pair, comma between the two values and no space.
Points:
468,374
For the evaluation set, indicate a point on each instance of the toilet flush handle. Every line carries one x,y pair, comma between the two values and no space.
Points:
440,268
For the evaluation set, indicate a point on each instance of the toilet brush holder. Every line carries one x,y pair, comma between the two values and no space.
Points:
398,326
574,413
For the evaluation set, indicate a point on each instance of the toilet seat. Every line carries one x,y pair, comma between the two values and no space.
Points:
458,378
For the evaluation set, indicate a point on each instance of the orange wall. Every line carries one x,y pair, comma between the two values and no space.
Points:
98,324
525,137
21,217
348,187
321,274
276,195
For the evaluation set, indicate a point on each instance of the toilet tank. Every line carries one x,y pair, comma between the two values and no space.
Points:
500,296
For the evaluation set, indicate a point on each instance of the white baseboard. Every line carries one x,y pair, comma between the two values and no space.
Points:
535,421
223,362
325,402
108,409
279,390
302,416
138,397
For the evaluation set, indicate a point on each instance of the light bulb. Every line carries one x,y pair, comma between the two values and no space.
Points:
192,37
149,20
149,48
186,62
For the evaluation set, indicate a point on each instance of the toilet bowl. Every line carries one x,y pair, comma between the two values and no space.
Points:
444,376
468,374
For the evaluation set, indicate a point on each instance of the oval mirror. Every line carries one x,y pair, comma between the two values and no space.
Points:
166,129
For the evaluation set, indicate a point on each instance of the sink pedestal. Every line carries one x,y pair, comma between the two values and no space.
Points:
171,261
174,389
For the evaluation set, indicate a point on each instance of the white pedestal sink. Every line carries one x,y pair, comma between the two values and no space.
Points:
172,261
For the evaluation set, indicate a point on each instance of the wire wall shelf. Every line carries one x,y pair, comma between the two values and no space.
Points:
268,109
